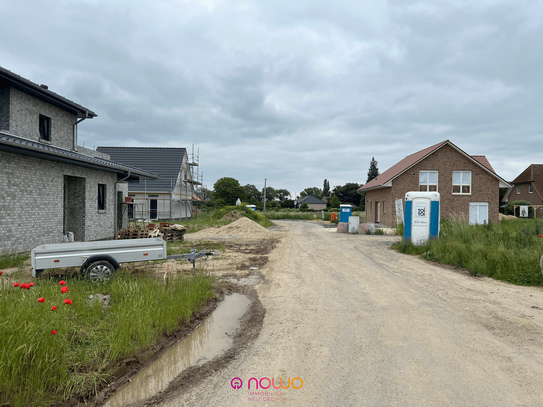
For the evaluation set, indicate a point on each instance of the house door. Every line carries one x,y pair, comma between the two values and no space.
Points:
478,213
377,212
153,209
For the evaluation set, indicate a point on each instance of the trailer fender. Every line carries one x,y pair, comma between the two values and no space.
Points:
114,262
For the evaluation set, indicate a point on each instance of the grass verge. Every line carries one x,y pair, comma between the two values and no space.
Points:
509,251
13,260
38,365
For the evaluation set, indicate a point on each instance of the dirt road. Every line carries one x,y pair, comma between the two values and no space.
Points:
362,325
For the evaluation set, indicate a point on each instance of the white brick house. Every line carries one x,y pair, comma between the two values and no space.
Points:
48,184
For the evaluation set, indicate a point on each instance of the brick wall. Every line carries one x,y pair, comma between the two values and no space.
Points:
25,111
383,196
524,195
484,187
32,202
4,107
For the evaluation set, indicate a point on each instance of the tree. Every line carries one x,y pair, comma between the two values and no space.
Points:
287,203
203,193
348,193
252,193
271,194
282,194
326,188
227,190
373,172
304,207
334,202
316,192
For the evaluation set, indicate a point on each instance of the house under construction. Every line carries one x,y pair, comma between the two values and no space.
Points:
170,197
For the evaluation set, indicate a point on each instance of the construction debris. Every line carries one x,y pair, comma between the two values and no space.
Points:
167,231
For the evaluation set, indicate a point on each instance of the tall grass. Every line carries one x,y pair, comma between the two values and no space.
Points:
509,251
37,367
13,260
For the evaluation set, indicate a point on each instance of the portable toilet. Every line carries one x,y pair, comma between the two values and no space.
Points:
421,216
344,212
253,207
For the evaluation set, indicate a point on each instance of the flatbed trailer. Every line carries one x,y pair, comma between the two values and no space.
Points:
99,260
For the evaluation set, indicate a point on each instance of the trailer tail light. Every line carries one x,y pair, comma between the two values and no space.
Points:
145,254
56,261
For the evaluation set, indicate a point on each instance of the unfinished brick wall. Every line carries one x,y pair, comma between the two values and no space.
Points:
32,202
484,186
25,111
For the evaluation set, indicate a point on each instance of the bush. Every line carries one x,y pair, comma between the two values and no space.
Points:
509,209
304,207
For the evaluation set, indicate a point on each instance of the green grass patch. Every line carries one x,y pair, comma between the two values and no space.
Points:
37,367
13,260
509,251
185,247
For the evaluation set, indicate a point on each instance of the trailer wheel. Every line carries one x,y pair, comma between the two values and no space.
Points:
100,271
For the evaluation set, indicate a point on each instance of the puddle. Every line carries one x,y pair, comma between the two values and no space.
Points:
210,339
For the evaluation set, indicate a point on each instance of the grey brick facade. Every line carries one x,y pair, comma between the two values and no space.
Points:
34,208
25,111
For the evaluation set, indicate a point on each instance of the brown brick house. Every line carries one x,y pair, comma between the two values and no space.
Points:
528,186
468,185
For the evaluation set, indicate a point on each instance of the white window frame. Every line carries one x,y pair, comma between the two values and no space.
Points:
462,185
479,206
518,189
530,189
427,184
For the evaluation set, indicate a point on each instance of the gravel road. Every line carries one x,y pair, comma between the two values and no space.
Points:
362,325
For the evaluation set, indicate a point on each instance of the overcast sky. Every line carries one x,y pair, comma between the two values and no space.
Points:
292,91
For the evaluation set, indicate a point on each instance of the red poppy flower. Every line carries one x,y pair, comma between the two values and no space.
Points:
53,308
68,301
25,286
62,282
16,285
53,332
64,289
1,273
41,299
540,235
31,284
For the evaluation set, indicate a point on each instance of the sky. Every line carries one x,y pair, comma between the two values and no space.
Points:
294,92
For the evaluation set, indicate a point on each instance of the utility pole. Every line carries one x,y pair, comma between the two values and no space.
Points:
265,196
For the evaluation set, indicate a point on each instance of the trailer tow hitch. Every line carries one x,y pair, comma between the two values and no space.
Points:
193,255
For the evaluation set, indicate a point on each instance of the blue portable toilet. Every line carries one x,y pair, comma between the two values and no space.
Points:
253,207
421,216
344,212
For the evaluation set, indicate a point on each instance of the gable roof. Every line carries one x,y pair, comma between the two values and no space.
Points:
29,148
310,199
531,175
164,161
385,179
42,92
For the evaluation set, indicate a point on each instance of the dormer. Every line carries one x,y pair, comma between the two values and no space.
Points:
33,112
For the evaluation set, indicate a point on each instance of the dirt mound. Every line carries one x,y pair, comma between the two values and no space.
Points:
502,216
243,228
234,215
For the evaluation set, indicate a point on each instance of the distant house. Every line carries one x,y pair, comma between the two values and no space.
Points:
528,186
49,185
171,196
312,203
468,185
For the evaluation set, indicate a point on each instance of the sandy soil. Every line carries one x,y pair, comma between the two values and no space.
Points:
362,325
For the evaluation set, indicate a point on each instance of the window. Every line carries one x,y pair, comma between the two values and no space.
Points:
428,181
530,189
478,213
462,182
45,128
518,189
101,197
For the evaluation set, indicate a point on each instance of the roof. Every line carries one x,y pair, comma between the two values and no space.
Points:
310,199
531,175
42,92
18,145
164,161
384,179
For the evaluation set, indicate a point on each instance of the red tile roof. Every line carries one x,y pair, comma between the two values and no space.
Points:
413,159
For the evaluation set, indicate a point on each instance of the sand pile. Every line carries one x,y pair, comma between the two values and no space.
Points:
243,228
502,216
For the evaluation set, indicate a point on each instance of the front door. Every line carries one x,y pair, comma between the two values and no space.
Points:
153,209
420,224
